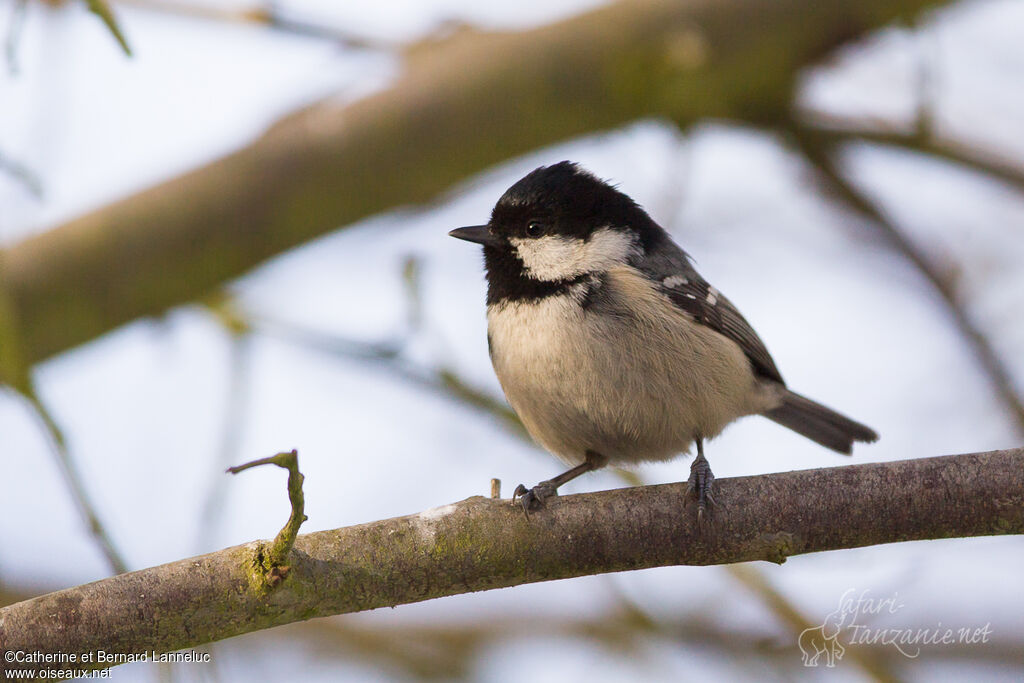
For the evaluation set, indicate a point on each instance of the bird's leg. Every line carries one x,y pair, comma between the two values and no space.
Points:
701,478
532,499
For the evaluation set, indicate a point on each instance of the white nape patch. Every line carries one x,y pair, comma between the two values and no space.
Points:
675,281
555,257
712,296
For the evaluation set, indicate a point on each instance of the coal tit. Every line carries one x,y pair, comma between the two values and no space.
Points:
610,346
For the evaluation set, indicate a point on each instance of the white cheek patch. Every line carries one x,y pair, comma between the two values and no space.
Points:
554,257
551,257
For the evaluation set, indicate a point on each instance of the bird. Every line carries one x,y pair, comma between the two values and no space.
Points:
611,347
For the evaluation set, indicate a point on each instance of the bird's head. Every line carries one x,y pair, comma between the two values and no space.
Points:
556,225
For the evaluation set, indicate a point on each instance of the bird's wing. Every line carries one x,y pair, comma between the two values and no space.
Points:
670,269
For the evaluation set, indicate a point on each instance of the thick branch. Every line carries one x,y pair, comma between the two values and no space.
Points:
482,543
461,106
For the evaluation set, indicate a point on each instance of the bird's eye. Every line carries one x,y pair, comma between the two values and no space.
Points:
535,229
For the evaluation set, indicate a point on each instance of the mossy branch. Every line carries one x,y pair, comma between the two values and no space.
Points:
270,563
483,543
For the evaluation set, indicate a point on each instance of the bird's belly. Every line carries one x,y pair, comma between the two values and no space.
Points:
617,385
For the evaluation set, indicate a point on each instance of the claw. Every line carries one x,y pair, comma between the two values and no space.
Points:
535,498
699,487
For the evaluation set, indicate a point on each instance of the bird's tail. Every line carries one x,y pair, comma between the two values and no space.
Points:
819,423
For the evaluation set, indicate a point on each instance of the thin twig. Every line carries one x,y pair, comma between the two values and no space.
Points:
14,34
270,562
234,422
74,482
387,355
412,276
22,174
102,10
267,16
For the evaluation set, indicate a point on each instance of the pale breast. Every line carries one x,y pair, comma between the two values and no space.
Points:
635,382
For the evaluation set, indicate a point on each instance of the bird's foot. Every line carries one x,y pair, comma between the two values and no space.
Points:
535,498
699,486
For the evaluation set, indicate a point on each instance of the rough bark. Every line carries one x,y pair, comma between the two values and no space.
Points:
461,105
481,544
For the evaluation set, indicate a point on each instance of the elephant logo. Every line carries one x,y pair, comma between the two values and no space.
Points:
823,640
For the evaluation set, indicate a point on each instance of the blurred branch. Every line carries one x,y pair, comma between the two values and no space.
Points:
818,150
9,596
447,651
102,9
781,606
264,16
18,8
74,482
462,105
20,172
482,543
412,285
238,390
1006,170
388,355
457,388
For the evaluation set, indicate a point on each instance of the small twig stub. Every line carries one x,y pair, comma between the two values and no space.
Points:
270,561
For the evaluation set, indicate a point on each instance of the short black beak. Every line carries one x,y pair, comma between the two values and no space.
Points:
476,233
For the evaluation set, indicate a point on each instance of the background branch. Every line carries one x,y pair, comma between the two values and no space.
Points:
446,651
987,163
462,105
481,543
12,167
818,151
268,14
102,10
73,480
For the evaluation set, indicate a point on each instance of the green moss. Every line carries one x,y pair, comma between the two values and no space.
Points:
779,546
267,566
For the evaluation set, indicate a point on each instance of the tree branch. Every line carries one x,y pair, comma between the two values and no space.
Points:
988,163
462,105
482,543
73,480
